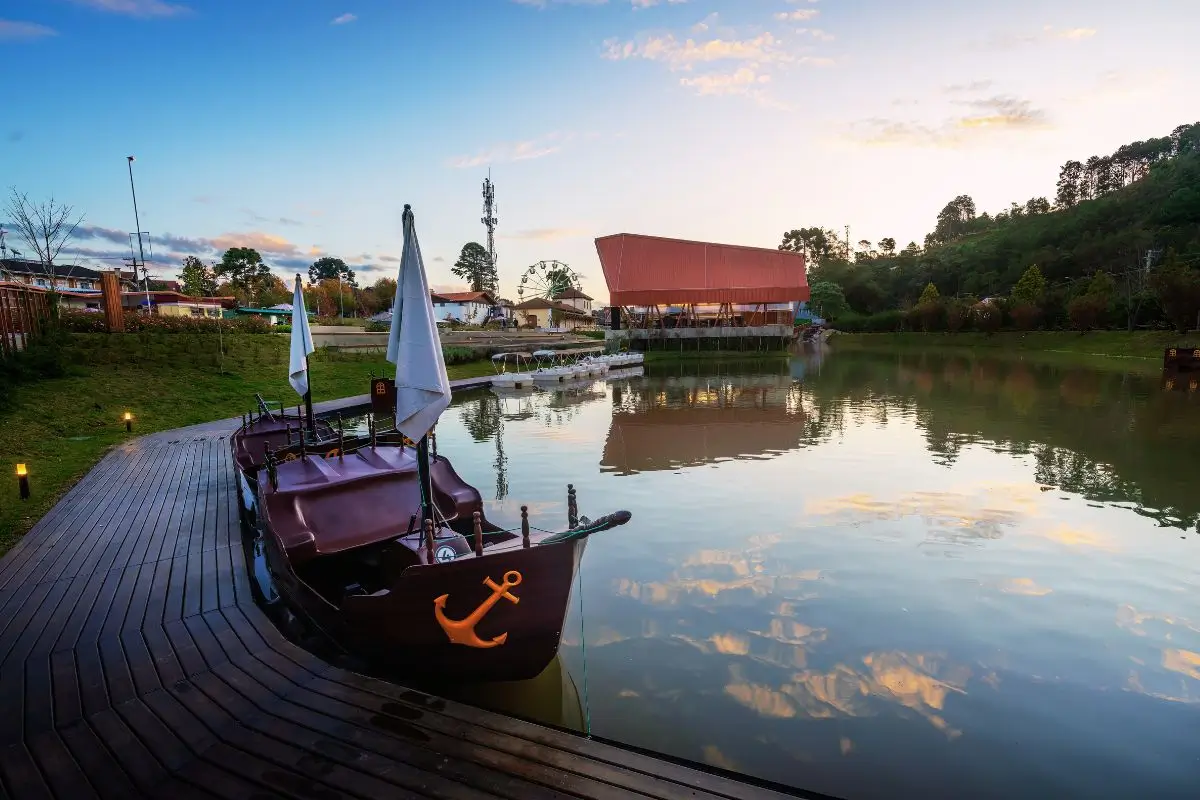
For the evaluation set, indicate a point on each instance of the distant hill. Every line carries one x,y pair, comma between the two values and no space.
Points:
1112,214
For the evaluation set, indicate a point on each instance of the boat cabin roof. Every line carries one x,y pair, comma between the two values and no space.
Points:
323,505
504,356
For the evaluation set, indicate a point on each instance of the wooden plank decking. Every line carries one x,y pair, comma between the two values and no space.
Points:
136,664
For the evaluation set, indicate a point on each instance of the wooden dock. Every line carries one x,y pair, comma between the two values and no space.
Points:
136,664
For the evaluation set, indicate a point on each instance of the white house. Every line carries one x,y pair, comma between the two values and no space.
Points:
469,307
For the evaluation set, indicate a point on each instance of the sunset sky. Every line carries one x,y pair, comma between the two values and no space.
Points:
302,128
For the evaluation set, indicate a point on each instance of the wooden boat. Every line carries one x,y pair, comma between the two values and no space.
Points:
385,550
346,551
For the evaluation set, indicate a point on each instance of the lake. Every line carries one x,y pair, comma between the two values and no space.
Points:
871,574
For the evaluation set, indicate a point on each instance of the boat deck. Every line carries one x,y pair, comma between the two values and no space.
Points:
136,664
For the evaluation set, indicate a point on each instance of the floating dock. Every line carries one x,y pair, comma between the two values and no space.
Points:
137,664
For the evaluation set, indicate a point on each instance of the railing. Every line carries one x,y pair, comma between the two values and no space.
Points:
24,315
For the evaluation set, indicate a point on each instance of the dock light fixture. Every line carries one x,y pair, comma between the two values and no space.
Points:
23,481
128,422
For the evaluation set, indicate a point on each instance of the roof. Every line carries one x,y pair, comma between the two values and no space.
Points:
652,270
571,294
542,303
465,297
23,266
164,297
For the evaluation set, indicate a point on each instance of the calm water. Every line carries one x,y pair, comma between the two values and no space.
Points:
873,575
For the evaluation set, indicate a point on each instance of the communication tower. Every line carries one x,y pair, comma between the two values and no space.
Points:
489,216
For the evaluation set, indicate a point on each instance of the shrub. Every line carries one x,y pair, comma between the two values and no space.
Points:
378,327
883,322
930,314
1025,316
1086,311
958,315
91,322
987,316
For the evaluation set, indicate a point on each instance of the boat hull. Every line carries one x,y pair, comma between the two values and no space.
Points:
401,628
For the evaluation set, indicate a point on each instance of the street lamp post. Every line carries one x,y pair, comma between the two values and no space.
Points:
141,251
341,300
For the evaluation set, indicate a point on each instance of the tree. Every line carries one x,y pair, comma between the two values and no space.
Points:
198,279
274,291
245,271
1037,205
827,300
887,246
330,268
817,244
1103,286
1031,288
45,227
954,220
328,297
475,266
929,308
1177,289
1070,179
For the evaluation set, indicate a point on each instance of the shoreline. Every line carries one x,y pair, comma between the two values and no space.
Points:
1141,348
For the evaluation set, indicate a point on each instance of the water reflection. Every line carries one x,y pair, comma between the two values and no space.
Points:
875,575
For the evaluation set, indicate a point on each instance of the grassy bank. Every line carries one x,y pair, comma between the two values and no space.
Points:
664,356
1148,345
61,427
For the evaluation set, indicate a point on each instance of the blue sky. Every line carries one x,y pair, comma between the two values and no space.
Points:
302,127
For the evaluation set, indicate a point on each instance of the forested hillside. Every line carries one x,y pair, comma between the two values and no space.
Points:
1123,232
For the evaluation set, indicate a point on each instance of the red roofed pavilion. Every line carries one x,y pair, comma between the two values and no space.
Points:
651,270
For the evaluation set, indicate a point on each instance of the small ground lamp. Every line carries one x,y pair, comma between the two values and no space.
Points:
23,481
129,422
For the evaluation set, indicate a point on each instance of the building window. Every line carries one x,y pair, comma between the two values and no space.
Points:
197,312
214,312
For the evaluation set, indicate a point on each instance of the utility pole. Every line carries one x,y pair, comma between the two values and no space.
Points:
848,246
141,251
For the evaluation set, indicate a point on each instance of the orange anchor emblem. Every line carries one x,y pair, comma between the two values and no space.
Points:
462,631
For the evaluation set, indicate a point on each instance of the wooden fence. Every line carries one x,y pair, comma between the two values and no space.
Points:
24,315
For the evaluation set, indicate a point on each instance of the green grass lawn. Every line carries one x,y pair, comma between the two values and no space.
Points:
1109,344
61,427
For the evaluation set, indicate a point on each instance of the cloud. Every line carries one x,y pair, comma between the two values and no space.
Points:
439,259
648,3
685,54
343,19
721,60
1009,41
256,217
799,15
973,86
986,116
546,234
706,23
13,31
392,259
740,81
513,151
136,8
1070,33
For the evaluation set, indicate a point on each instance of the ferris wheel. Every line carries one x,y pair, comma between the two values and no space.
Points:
546,280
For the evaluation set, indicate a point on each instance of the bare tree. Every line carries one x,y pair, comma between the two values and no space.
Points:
46,227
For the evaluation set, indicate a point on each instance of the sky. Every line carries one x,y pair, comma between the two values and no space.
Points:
302,127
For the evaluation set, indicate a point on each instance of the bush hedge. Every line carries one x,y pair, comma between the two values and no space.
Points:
91,322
